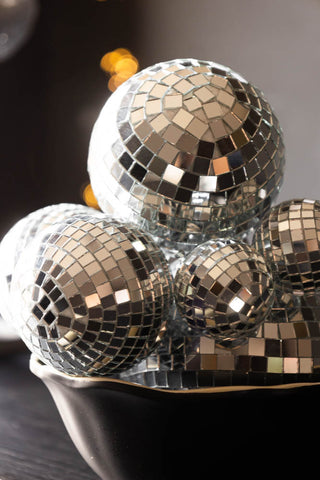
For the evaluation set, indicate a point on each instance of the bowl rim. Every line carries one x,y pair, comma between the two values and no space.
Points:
47,373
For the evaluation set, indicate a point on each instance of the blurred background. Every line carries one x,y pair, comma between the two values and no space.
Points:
57,71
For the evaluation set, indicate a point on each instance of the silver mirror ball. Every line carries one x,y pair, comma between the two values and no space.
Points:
189,150
18,238
91,296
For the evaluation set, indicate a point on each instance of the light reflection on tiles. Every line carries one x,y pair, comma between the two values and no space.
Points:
224,288
21,234
93,295
283,351
289,238
215,131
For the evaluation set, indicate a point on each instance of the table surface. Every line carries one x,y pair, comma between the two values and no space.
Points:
34,444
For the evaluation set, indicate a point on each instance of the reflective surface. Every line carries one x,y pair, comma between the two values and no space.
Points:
284,350
18,238
224,288
189,149
290,240
91,296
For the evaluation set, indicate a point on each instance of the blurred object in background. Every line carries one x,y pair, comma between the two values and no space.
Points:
17,19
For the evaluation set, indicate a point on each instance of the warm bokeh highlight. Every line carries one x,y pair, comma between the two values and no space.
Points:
120,65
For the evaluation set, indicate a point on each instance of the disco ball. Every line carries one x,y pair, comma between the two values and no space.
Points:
20,235
289,238
188,149
224,288
17,19
91,296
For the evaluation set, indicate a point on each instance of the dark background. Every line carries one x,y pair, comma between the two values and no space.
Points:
51,92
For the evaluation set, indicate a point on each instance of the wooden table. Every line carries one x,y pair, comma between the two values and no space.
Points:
34,444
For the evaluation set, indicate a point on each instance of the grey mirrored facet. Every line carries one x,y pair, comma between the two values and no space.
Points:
284,350
224,289
91,295
20,235
289,238
204,120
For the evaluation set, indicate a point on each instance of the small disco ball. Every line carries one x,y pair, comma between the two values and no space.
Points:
289,238
91,295
189,149
224,288
20,235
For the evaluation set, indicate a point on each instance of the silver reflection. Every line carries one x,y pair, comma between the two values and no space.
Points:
91,296
224,289
181,130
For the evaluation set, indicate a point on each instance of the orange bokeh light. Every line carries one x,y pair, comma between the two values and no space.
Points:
110,59
126,65
89,197
120,64
114,82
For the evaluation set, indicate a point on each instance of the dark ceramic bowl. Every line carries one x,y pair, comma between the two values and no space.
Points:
130,432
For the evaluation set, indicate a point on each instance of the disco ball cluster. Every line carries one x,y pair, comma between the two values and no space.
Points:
188,270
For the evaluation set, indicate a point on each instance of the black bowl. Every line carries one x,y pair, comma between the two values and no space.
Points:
131,432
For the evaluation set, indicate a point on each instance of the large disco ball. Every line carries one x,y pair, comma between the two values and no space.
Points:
189,149
17,19
91,296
